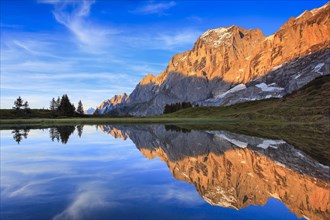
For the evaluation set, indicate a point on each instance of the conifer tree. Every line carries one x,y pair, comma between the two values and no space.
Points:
18,104
26,107
80,108
65,107
58,102
53,105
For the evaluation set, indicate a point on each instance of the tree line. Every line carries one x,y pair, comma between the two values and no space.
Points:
169,108
61,106
21,107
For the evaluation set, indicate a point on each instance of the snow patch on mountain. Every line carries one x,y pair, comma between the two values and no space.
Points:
277,67
237,143
268,88
270,143
270,37
232,90
297,76
222,33
318,67
317,10
302,14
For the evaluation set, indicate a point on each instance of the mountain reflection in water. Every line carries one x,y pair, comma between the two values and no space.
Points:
233,170
227,169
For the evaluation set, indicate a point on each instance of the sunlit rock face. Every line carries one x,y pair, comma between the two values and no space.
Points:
242,177
231,64
107,105
233,170
116,133
237,55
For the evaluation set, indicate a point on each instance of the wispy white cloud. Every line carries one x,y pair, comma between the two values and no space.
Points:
89,196
74,16
32,188
180,38
10,26
195,18
154,8
49,1
67,76
163,40
164,193
36,47
146,69
39,66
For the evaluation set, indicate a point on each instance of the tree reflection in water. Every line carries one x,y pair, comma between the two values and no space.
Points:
54,134
176,128
19,134
80,129
59,133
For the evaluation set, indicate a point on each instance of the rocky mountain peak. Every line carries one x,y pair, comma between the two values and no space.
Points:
228,35
308,15
228,65
119,98
321,9
150,78
109,104
218,36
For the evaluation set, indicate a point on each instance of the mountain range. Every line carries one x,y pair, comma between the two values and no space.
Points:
231,65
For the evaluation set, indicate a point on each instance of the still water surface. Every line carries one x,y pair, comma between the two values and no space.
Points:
156,172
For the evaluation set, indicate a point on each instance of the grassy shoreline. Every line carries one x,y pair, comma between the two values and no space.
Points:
148,120
98,120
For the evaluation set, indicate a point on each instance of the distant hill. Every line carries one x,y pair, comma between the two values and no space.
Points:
90,111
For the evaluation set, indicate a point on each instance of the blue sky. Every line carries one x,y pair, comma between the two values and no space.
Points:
92,50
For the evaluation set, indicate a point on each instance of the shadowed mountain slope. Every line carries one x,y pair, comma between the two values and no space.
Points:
310,103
